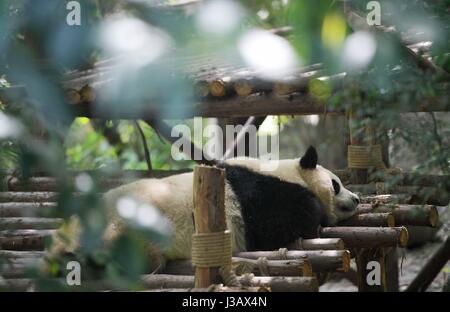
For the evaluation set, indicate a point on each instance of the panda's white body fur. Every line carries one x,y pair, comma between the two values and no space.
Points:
173,196
177,208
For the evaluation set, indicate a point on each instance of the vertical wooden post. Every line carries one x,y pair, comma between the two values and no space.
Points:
357,176
392,281
370,263
385,260
209,214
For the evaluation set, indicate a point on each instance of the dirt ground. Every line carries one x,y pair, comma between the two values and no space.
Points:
411,259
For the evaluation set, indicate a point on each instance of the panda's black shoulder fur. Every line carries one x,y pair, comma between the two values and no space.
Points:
275,212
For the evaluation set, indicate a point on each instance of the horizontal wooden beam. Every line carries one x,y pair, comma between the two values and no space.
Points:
321,260
238,106
368,237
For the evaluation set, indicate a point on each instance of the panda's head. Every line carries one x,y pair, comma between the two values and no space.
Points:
339,202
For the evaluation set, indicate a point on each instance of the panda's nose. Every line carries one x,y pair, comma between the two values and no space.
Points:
356,200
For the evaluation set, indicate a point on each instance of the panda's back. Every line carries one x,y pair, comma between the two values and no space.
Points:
172,196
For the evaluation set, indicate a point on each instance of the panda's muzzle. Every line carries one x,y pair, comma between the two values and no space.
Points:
347,208
352,207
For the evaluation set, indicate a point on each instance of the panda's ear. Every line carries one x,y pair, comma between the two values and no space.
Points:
309,160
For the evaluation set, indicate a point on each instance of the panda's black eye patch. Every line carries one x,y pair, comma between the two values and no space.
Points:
336,187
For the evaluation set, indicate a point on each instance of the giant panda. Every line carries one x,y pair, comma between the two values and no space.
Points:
265,210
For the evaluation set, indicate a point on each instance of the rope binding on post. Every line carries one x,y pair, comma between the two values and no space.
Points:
214,250
365,156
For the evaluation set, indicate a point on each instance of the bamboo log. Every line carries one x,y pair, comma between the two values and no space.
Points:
209,214
28,197
368,237
30,223
420,215
319,244
321,260
272,267
432,268
385,219
13,209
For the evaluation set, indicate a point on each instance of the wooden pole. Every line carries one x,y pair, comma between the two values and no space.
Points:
26,242
357,176
201,88
28,197
29,209
247,86
368,237
209,214
221,87
392,269
418,194
402,178
386,199
371,268
274,283
321,260
9,254
166,131
319,244
215,288
43,188
273,267
385,219
420,215
163,281
431,268
30,223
